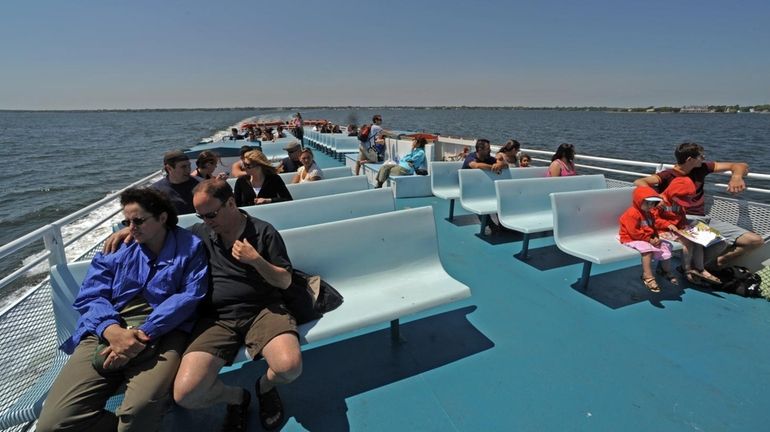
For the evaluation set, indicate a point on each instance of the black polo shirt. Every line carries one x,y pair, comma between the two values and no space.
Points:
237,290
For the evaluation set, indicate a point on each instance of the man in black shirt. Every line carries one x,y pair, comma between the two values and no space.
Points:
249,265
178,184
291,163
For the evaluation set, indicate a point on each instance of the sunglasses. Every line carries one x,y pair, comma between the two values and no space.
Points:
135,221
210,215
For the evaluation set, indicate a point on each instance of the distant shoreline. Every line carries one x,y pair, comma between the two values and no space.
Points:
705,109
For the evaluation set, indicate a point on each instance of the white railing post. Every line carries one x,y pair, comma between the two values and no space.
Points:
54,243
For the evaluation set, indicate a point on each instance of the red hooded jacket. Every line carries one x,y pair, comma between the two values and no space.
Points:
676,198
636,224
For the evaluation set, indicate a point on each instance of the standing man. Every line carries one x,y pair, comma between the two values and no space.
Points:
178,184
249,266
291,163
366,152
690,162
482,158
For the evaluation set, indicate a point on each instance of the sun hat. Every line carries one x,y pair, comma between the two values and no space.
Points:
292,146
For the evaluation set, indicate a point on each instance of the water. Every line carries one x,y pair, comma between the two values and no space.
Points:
58,162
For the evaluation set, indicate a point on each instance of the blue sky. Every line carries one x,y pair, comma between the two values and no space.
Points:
162,54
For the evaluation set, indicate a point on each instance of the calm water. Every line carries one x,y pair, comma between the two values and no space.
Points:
57,163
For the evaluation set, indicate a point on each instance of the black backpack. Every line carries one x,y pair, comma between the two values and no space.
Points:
740,280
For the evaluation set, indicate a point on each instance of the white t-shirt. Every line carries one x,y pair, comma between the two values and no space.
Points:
373,132
314,172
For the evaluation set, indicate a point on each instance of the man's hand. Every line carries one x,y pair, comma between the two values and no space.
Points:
124,342
244,252
736,184
115,360
498,166
112,244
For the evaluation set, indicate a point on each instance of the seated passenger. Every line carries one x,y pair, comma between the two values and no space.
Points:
137,307
525,160
563,161
234,135
279,132
252,136
336,129
352,130
177,184
267,134
481,158
637,231
261,184
509,153
237,169
407,164
290,163
205,165
309,170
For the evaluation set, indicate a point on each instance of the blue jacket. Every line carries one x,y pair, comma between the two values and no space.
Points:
416,157
180,282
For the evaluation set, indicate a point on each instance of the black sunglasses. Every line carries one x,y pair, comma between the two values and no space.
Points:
210,215
136,221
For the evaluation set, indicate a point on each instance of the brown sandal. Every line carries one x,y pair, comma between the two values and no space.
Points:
708,277
651,284
695,278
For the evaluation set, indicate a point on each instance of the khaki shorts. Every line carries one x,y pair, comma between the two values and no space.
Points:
224,337
367,155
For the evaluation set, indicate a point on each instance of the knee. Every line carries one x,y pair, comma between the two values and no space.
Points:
750,240
184,393
288,366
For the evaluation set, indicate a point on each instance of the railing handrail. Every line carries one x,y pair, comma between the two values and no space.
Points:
51,234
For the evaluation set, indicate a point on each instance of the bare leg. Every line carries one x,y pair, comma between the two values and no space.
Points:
284,361
744,244
647,265
197,383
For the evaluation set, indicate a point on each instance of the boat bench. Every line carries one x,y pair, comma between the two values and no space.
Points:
445,182
329,173
316,210
585,225
410,186
375,291
524,205
333,186
477,189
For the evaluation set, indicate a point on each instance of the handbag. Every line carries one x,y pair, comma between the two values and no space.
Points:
133,314
308,297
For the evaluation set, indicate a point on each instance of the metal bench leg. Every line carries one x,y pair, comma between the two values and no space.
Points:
524,247
451,209
395,332
484,223
586,275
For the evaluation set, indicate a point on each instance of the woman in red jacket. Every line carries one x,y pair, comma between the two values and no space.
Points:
637,230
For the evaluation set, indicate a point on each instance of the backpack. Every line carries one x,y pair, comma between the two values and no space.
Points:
740,280
363,133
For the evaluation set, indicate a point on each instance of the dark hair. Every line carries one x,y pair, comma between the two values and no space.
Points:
687,150
524,156
234,130
565,150
510,145
376,117
205,157
480,143
307,150
421,142
245,149
152,201
216,188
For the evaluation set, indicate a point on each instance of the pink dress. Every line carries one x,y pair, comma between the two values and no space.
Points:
565,170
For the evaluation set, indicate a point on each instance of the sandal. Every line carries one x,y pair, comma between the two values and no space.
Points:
270,408
651,284
695,278
667,275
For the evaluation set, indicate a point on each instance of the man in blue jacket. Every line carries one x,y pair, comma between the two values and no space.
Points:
137,307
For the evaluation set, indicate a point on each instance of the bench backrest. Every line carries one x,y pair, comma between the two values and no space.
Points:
311,211
478,184
327,187
444,178
329,173
582,212
334,250
522,196
65,285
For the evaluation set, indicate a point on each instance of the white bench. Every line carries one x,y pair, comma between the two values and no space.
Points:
311,211
477,189
585,225
403,186
375,291
329,173
445,182
300,191
524,205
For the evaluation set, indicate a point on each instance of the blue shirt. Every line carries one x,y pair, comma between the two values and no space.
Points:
473,158
179,282
416,157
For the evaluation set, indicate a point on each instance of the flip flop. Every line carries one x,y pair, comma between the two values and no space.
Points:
710,278
696,279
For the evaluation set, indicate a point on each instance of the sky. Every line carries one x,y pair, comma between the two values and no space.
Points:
111,54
